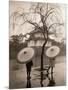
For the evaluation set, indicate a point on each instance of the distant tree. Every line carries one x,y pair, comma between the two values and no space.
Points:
15,41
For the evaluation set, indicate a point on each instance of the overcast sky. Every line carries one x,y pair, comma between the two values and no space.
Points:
18,6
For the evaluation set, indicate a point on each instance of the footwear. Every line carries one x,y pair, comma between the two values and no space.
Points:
52,72
28,77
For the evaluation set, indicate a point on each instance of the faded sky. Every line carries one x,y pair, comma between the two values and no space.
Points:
18,5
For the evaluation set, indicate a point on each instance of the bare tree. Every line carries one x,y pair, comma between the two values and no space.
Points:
49,19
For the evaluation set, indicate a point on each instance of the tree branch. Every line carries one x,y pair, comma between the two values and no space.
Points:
55,24
49,11
48,15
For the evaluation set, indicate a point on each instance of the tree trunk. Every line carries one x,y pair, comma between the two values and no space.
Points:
42,54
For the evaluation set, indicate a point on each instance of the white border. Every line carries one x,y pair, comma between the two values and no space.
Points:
50,1
4,47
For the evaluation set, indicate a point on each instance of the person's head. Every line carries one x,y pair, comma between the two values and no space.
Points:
25,52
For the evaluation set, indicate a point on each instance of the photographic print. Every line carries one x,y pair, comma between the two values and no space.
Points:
37,44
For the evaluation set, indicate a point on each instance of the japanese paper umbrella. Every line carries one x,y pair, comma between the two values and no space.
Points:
25,55
52,51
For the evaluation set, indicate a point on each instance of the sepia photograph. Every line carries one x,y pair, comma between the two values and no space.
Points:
37,44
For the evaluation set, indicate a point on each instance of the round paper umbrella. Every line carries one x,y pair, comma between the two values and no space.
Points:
25,55
52,51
